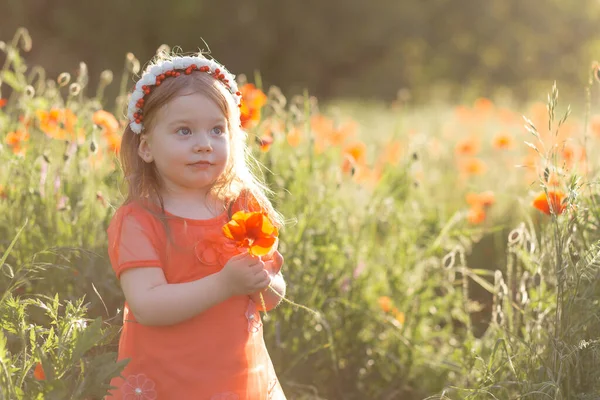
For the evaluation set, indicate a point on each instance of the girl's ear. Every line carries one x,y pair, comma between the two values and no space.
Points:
144,150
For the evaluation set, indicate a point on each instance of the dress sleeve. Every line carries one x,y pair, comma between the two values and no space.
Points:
132,242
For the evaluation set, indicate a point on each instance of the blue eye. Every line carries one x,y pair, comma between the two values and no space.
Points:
218,130
185,131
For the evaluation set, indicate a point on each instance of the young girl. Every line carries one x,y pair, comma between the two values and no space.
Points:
191,323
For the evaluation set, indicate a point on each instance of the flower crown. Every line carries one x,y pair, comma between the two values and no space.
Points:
156,74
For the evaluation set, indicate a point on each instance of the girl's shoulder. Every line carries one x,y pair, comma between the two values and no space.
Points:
134,211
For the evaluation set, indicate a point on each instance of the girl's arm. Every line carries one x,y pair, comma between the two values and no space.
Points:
154,301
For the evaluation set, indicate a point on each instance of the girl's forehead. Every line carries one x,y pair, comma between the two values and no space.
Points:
194,105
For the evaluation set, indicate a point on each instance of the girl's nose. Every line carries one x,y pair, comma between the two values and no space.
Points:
202,143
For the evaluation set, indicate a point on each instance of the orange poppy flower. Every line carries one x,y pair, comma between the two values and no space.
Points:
294,137
595,125
15,140
321,127
59,124
106,121
265,142
467,147
38,372
503,141
474,166
484,199
253,100
338,135
2,102
252,230
553,201
476,215
114,142
483,105
385,303
354,155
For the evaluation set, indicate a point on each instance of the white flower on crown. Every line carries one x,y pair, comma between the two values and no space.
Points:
151,73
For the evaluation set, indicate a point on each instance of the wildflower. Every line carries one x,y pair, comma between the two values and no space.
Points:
503,141
476,215
3,194
252,230
2,102
59,124
483,105
595,125
265,142
385,303
106,121
473,166
338,135
467,147
15,140
483,199
38,372
550,202
294,137
114,142
354,155
110,129
253,100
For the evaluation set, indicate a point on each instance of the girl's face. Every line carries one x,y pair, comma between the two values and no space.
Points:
189,143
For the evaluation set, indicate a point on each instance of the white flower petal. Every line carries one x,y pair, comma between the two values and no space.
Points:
135,127
178,63
147,79
135,96
156,70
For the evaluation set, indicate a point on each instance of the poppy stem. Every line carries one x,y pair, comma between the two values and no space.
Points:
315,313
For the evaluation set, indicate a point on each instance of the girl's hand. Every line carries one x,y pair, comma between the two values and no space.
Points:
274,264
244,274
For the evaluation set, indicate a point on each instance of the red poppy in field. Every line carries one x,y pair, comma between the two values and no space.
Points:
473,166
38,372
253,231
467,147
253,100
552,201
483,199
15,141
503,141
385,303
2,102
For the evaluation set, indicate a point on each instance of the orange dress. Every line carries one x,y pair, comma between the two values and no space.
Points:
219,354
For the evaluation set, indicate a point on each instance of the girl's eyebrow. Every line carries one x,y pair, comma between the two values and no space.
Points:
218,120
179,121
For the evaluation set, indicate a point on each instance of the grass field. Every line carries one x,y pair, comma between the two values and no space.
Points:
451,251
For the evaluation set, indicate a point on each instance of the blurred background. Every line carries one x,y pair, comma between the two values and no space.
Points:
452,50
447,257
